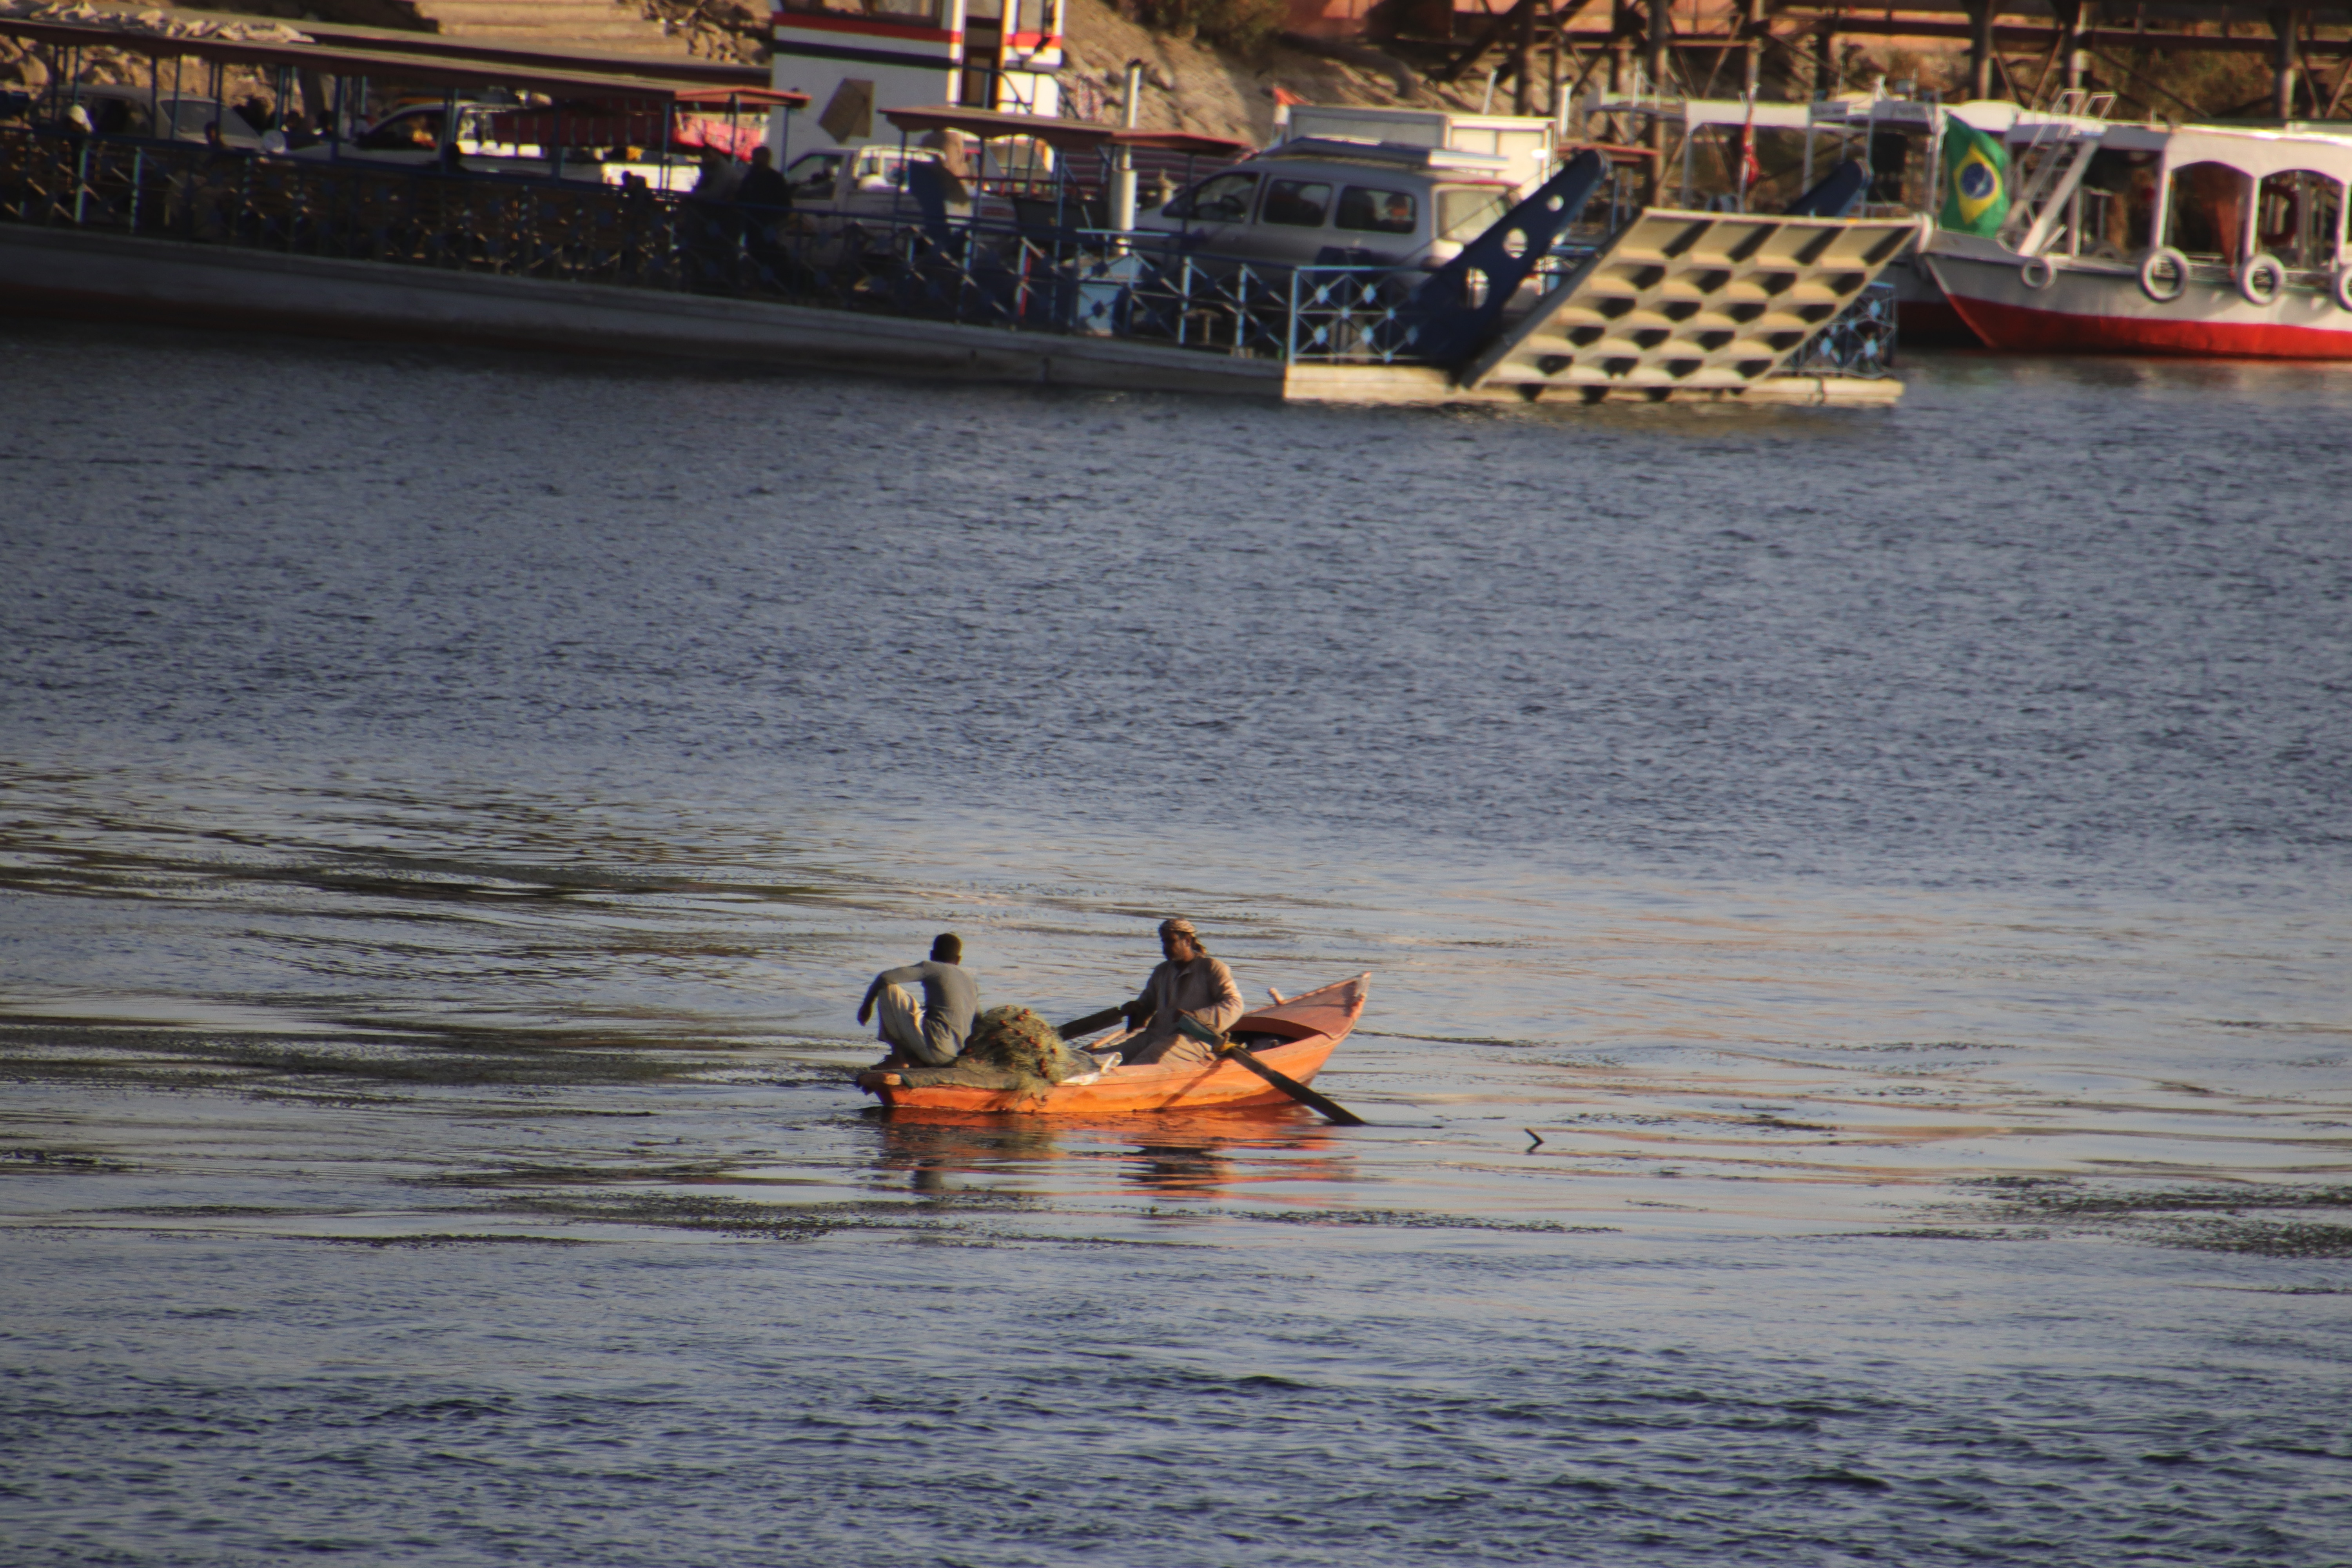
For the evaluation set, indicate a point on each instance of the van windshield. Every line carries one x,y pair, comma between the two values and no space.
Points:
1221,198
1464,214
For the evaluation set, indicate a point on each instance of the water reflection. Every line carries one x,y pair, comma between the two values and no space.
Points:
1202,1157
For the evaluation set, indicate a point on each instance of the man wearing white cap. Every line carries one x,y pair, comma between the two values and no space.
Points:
1189,982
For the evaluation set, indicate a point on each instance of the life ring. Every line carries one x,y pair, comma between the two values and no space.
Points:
2037,272
2164,276
2261,278
2344,286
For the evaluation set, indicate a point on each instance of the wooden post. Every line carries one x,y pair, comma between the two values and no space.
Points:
1558,109
1826,68
1752,36
2076,17
1619,30
1525,53
1981,48
2285,22
1620,27
1660,39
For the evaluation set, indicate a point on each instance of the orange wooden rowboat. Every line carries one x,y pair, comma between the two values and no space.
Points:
1310,1028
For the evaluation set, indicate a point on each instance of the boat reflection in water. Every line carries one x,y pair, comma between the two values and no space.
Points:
1185,1156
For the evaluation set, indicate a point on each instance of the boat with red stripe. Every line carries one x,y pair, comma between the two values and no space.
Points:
2193,241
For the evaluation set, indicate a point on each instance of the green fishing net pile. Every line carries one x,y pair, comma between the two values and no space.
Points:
1009,1048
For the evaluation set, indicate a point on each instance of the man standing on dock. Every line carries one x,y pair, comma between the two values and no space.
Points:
931,1034
1189,982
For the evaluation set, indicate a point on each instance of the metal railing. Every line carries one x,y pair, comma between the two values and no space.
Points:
1353,315
1029,278
1859,342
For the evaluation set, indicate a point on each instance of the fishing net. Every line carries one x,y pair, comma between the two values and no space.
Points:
1009,1048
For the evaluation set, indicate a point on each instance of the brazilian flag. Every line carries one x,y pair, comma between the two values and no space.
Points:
1976,181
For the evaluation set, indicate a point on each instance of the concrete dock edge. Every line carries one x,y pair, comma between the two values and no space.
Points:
111,277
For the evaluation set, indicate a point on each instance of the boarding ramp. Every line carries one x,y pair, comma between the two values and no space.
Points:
1686,301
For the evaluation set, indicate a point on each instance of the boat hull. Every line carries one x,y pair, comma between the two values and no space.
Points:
1317,1022
1923,318
2100,308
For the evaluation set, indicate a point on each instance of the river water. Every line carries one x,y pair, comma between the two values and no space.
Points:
1859,1057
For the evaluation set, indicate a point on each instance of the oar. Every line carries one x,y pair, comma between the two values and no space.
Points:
1093,1021
1290,1086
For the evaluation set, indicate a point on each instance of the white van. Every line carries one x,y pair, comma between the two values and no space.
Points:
1327,201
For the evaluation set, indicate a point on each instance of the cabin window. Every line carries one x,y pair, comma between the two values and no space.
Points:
1466,215
1221,198
1378,212
2119,205
2297,216
2207,219
1034,18
1296,204
1890,166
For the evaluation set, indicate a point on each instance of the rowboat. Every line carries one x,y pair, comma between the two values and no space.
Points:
1295,1037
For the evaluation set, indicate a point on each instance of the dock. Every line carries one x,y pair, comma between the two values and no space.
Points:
1674,307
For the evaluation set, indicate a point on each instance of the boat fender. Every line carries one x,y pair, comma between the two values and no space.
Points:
2037,272
2164,276
2261,278
2343,285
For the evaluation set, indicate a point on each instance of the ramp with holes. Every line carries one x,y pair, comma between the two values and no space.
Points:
1686,302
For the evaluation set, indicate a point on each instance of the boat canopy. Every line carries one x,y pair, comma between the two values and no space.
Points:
1189,143
387,56
2258,153
1062,136
988,124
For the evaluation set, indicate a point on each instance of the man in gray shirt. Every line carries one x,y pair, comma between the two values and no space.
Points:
931,1034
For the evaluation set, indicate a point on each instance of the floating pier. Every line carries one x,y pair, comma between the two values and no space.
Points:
1673,307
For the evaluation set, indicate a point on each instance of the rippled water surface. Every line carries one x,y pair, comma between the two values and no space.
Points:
1855,905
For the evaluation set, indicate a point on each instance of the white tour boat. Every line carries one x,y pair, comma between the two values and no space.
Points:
2096,236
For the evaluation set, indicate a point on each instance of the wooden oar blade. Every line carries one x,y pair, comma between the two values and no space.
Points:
1293,1087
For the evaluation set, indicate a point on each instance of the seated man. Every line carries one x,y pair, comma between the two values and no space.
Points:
1189,982
932,1035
